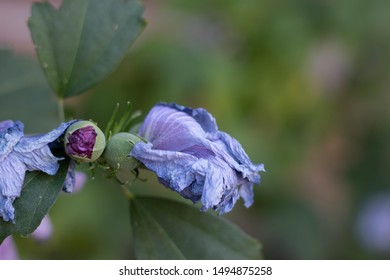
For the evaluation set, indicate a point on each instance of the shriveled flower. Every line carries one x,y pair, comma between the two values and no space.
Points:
192,157
18,154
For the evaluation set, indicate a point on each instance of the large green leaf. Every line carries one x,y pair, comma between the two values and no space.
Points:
82,42
25,93
18,73
165,229
39,193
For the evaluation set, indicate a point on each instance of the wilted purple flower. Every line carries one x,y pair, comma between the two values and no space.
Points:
18,154
192,157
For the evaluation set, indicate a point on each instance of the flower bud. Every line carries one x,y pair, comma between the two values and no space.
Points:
84,141
117,153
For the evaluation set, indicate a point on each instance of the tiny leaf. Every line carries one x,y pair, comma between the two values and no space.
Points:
82,42
165,229
39,193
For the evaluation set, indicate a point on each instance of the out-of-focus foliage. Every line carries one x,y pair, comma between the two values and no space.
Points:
25,93
164,229
81,43
303,85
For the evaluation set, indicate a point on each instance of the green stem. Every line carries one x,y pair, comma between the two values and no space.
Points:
61,113
127,193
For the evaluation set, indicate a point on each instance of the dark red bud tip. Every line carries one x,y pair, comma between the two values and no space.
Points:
81,142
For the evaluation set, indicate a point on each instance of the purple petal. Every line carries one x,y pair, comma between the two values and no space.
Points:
202,117
191,156
44,230
7,211
30,143
12,172
70,179
35,153
10,134
169,129
19,154
231,151
8,249
212,182
246,192
220,184
173,168
228,202
81,142
40,159
74,180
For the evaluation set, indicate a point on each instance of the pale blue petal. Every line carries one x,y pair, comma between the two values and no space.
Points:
229,201
40,159
246,192
7,211
170,129
4,125
220,184
213,183
202,117
235,155
31,143
70,179
10,134
172,168
12,172
35,152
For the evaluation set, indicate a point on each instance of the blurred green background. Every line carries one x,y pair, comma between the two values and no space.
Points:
303,85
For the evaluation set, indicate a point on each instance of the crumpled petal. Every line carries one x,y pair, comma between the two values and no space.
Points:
170,129
30,143
35,153
12,172
7,211
172,168
192,157
70,179
10,134
246,192
19,154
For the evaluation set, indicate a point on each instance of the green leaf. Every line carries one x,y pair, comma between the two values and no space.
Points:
165,229
82,42
25,93
39,193
19,73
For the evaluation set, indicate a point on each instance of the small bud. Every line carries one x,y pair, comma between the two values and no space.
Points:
84,141
117,153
